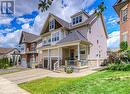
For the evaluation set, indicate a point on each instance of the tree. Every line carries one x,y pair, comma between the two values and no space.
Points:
123,45
44,5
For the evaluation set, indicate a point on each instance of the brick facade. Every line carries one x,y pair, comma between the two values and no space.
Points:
125,27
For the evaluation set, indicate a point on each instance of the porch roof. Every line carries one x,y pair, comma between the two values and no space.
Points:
74,36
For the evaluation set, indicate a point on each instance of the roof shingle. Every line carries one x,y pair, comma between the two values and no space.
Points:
74,36
28,37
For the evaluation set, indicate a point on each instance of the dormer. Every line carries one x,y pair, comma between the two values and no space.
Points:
79,17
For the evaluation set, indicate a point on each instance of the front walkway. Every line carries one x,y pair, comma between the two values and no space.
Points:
8,87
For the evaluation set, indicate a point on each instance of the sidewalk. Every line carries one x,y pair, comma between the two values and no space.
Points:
8,87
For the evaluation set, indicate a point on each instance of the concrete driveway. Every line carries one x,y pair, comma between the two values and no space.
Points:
28,75
8,82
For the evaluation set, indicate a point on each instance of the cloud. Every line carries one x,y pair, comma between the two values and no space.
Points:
72,7
11,40
5,20
113,20
27,6
114,40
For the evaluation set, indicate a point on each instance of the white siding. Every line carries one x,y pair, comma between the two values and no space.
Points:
98,33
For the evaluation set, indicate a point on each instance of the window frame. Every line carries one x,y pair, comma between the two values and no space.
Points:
52,24
124,15
77,19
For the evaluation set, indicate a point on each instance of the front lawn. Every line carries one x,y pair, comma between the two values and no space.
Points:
103,82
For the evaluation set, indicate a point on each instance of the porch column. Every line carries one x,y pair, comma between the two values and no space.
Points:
79,54
48,59
58,57
38,57
50,63
42,59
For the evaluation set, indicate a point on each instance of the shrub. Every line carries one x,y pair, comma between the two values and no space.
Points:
123,45
69,70
4,63
119,67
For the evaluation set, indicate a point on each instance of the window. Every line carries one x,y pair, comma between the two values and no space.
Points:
49,39
82,52
125,36
77,20
33,46
124,15
52,25
89,30
55,36
80,18
73,20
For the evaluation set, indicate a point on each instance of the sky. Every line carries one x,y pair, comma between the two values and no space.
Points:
28,18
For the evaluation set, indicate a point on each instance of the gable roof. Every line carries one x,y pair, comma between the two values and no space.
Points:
81,12
61,21
6,50
27,37
119,4
69,26
74,36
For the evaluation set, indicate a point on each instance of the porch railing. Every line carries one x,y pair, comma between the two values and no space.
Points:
78,63
56,65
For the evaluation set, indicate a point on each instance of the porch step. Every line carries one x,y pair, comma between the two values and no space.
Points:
60,70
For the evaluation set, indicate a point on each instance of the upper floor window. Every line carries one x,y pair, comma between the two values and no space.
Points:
52,25
77,19
33,46
124,15
55,36
49,39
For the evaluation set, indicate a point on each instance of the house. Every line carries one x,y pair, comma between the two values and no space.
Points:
10,53
81,43
28,43
122,8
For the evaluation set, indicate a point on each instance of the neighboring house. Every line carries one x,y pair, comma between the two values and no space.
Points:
28,43
80,44
122,7
10,53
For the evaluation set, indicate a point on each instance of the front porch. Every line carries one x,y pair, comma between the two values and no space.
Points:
74,55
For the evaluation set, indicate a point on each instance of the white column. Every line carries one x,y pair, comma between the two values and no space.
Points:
48,59
79,54
42,58
58,57
78,51
50,63
38,57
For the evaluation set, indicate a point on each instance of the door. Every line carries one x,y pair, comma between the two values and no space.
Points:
71,56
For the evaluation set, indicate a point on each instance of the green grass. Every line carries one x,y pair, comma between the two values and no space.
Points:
96,83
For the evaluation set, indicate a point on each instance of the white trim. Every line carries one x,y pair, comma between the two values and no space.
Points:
43,58
48,64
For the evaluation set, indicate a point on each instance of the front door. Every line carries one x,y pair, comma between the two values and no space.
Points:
71,56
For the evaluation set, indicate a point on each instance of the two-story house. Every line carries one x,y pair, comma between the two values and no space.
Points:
79,44
28,43
122,7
